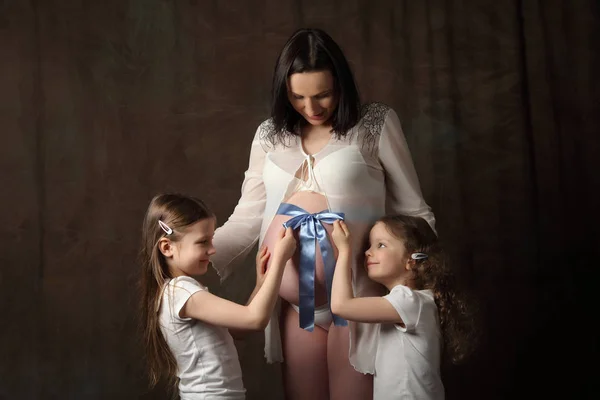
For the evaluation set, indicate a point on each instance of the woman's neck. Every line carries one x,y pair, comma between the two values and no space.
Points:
310,130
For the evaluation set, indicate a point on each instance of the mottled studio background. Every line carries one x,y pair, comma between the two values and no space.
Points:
105,103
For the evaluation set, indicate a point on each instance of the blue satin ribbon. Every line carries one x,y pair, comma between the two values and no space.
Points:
312,231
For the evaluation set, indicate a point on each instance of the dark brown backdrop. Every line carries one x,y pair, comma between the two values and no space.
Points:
105,103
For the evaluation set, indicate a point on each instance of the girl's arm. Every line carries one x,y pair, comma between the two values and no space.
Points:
343,302
262,258
215,310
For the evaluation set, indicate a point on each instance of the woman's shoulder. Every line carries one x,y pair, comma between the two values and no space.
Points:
373,115
271,139
372,118
266,126
374,110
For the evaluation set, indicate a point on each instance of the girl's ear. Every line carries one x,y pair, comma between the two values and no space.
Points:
410,264
165,246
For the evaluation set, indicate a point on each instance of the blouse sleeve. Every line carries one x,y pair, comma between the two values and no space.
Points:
237,236
403,192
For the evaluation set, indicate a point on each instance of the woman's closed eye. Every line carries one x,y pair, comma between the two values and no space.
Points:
318,97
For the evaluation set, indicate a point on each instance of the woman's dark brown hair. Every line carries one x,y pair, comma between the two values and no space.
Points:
310,50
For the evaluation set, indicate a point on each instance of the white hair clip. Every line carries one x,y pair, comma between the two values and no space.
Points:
419,256
165,227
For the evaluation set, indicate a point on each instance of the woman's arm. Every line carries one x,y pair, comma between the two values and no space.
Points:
214,310
234,239
403,191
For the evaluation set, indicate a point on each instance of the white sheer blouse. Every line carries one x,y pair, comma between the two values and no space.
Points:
365,174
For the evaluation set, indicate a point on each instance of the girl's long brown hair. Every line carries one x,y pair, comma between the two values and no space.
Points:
456,312
177,212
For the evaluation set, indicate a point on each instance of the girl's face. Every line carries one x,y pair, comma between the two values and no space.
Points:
191,255
386,259
313,96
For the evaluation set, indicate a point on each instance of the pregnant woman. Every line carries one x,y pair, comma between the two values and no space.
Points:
322,156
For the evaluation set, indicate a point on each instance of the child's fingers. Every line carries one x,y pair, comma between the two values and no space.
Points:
288,231
344,227
281,232
337,226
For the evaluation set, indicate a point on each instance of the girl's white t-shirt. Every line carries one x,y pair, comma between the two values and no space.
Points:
207,360
407,365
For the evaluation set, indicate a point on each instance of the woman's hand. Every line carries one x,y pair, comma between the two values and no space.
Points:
262,258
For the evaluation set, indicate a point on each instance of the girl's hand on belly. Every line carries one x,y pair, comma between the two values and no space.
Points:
285,245
341,236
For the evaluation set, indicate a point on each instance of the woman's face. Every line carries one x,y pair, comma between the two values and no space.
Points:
313,96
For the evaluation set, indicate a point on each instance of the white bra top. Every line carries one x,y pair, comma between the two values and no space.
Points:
307,181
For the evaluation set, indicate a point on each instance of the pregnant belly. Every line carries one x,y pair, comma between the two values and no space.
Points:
313,203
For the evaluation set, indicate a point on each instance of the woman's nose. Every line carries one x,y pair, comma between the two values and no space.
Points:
310,107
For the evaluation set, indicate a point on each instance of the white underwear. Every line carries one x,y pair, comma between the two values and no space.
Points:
323,316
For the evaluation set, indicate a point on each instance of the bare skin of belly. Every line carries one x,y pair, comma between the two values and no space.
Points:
313,203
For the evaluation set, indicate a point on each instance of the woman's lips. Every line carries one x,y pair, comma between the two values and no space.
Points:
317,117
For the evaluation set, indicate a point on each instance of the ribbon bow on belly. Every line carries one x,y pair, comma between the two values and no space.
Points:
311,232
